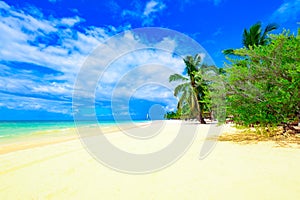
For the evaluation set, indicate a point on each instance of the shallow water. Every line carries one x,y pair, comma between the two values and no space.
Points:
18,128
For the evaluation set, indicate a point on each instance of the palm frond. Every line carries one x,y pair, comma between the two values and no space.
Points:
228,52
252,37
197,59
177,77
181,88
193,87
269,28
182,99
192,63
188,99
192,101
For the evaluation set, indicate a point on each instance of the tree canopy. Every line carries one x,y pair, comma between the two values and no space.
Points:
254,36
192,91
263,86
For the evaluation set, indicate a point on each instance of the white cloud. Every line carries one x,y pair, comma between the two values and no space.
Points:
4,5
132,67
30,103
147,79
153,7
34,38
29,37
131,13
218,32
184,3
123,64
148,14
70,22
54,88
288,11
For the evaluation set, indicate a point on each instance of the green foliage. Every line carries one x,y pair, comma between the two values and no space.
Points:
201,92
177,77
215,97
192,93
228,52
264,87
254,37
173,115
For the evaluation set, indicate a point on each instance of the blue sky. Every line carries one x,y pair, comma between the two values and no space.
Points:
45,43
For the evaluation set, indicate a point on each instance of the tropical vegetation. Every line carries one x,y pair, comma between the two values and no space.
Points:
260,83
263,87
192,91
255,36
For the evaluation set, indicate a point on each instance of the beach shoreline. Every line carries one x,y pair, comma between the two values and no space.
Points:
40,138
66,170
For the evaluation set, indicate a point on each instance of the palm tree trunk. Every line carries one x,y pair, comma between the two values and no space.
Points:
193,84
201,119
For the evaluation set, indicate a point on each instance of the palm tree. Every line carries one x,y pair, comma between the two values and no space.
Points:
190,91
187,103
254,36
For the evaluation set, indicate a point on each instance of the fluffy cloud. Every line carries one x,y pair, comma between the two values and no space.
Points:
48,42
153,7
146,15
125,68
288,11
41,56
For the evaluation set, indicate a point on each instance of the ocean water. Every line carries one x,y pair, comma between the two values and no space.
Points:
20,128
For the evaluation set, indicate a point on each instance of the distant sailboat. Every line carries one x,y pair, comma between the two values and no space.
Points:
147,116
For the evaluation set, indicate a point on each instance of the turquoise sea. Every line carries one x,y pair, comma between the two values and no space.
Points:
20,128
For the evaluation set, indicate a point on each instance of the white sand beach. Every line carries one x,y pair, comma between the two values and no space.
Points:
61,168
